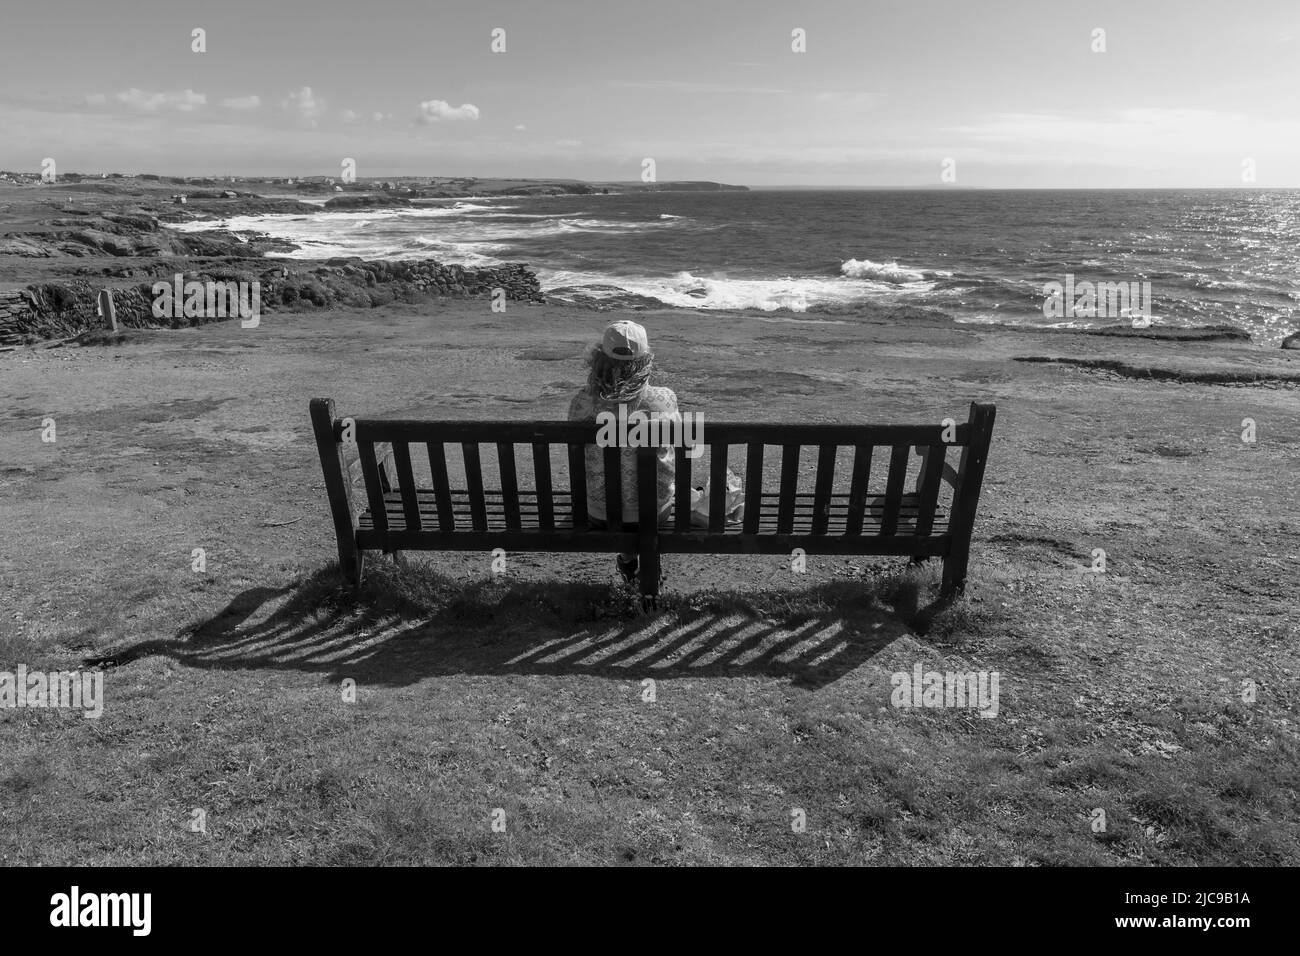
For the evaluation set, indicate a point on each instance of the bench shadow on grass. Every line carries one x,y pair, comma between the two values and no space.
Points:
407,624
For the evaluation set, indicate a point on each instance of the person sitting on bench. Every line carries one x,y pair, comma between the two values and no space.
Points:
619,374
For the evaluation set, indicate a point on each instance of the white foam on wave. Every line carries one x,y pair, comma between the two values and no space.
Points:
290,225
574,224
515,215
881,271
455,253
453,234
461,233
1219,285
685,290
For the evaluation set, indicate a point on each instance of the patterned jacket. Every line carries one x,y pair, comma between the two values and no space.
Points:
656,402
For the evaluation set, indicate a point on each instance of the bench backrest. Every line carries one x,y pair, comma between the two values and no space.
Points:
843,454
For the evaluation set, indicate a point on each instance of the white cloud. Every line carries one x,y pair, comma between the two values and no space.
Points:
306,104
431,111
184,101
242,102
568,143
349,116
520,128
377,117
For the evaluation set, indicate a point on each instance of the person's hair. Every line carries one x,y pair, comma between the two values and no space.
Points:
617,380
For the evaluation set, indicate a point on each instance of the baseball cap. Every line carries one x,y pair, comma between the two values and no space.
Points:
625,341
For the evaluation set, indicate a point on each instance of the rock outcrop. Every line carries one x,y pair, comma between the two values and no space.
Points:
367,201
67,308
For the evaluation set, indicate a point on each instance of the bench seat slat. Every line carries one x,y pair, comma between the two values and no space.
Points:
835,524
495,517
769,499
460,504
700,542
493,498
496,525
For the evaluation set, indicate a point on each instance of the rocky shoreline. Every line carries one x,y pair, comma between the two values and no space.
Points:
65,244
60,310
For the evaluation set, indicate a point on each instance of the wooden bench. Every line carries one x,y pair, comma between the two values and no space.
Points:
388,510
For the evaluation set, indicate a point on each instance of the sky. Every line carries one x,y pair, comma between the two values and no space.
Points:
994,93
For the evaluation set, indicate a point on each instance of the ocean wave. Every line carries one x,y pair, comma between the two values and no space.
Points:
610,225
456,253
1204,282
323,223
881,271
689,291
514,215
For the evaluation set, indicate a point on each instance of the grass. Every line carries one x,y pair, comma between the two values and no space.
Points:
528,697
1123,694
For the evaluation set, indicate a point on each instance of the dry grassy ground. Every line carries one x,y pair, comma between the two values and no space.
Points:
524,692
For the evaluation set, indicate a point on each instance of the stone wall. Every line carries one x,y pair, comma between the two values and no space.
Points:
69,307
19,321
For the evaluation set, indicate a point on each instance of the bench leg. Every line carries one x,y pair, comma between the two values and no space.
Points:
954,576
352,563
648,572
648,576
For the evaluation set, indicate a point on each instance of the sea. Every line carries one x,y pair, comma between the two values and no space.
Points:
1229,257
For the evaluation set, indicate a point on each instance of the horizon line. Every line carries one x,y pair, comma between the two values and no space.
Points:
837,187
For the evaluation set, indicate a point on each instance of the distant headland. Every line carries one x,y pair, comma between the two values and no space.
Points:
408,187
